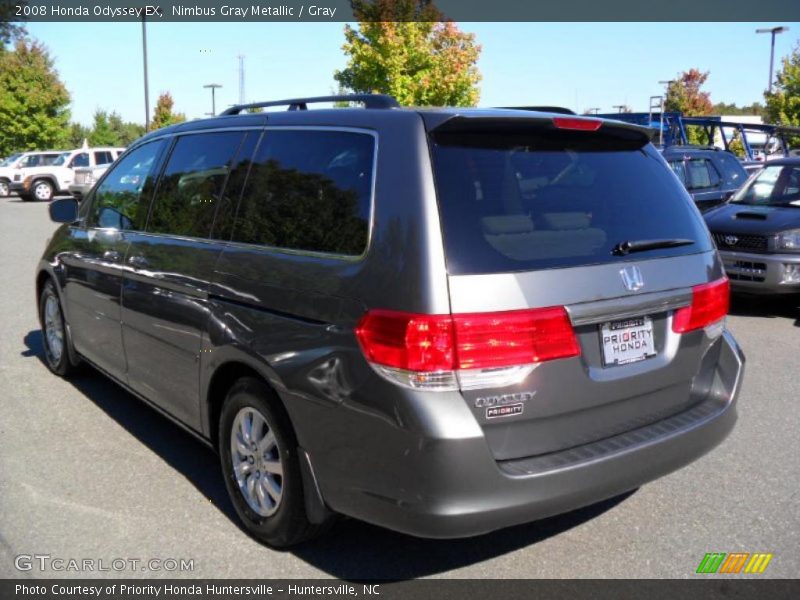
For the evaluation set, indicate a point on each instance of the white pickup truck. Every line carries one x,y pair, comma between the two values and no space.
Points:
42,183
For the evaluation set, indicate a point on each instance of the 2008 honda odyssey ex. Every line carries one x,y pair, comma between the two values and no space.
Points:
442,321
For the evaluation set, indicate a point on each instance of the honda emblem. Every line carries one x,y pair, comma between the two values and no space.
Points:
632,278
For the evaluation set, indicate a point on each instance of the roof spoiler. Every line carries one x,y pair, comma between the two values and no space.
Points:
499,124
548,109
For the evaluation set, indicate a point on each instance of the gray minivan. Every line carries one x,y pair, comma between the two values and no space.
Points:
443,321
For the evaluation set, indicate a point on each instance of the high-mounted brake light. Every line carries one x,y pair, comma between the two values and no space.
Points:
464,350
577,124
710,304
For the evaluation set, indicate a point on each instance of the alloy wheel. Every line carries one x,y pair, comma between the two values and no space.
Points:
257,465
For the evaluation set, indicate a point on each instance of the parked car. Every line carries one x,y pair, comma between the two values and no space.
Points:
13,168
498,316
44,182
85,178
758,231
711,175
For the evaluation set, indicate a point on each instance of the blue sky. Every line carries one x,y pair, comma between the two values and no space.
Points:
578,65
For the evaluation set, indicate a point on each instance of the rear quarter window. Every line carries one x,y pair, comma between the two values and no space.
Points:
538,202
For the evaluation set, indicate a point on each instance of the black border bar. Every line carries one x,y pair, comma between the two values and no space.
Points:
457,10
710,587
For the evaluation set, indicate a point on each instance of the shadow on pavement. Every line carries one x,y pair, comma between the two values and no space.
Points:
351,550
184,453
787,307
355,551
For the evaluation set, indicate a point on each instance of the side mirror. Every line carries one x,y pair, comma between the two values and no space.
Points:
64,210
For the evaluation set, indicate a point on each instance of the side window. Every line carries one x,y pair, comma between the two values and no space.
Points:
103,157
793,185
733,168
701,174
226,211
79,160
308,190
192,183
677,166
122,199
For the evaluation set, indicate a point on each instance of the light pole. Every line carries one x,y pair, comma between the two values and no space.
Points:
774,31
589,111
146,86
666,83
213,87
621,108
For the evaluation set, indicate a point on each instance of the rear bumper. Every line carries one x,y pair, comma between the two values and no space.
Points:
79,190
460,490
759,273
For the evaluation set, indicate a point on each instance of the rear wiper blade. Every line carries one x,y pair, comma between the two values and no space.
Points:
629,246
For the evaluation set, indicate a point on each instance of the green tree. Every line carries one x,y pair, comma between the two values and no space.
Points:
723,108
736,145
34,104
76,135
102,134
163,115
9,32
126,132
407,49
783,104
684,94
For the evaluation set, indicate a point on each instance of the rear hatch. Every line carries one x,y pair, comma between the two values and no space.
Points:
570,242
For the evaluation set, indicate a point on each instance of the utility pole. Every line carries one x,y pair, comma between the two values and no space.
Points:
213,87
146,85
241,79
773,31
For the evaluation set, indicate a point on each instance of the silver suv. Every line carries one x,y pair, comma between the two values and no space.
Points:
441,321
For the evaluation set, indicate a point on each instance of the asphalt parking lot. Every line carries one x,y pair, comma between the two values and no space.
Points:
88,472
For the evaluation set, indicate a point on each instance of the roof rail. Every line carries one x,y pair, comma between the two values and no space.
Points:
369,101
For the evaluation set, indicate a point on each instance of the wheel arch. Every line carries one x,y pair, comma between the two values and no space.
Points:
51,179
223,377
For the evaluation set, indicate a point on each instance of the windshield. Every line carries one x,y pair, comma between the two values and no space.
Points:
544,202
10,160
777,185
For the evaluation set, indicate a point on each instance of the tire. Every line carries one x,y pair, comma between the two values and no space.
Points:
55,334
273,511
42,190
5,191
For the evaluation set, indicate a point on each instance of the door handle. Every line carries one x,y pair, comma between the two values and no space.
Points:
111,256
139,262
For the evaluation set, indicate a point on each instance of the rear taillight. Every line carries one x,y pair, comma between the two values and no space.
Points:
577,123
710,303
464,350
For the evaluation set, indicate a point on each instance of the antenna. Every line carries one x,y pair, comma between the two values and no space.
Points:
241,78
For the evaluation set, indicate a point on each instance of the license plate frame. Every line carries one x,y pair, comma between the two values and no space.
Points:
627,341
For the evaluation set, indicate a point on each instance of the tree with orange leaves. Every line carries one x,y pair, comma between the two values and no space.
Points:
407,48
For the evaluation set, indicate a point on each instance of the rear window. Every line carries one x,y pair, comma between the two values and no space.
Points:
514,203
